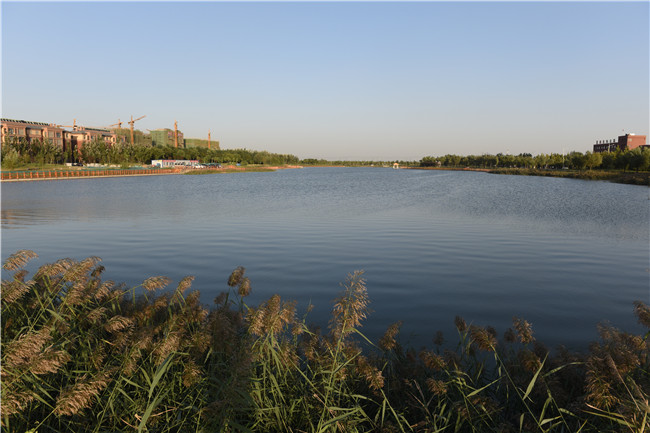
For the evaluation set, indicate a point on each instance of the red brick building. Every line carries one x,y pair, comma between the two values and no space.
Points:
624,142
32,131
58,136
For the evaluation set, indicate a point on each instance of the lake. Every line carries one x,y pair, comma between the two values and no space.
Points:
564,254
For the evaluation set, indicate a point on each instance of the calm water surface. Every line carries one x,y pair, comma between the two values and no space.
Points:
564,254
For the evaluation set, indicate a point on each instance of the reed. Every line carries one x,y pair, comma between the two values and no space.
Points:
82,354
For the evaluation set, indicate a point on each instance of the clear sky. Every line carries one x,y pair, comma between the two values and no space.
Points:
337,80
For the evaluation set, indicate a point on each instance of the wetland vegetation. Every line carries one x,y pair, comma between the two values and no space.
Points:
83,354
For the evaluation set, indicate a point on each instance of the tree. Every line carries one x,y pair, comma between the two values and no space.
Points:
577,160
608,160
593,160
639,159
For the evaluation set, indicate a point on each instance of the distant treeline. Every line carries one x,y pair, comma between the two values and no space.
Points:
17,152
322,162
637,159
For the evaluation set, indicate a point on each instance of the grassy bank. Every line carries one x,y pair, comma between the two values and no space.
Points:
627,177
229,170
83,354
632,178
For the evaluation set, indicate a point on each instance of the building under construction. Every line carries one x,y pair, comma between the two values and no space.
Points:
200,142
165,137
76,136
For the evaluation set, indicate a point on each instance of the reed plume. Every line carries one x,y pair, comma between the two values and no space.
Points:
80,396
351,307
15,401
18,259
155,283
236,276
11,291
642,312
483,338
23,350
524,330
49,361
388,342
118,323
437,387
460,323
244,287
432,360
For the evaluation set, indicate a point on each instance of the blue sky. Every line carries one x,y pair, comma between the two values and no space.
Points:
336,80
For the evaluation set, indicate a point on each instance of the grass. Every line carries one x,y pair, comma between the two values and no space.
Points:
37,166
83,354
617,176
229,170
628,177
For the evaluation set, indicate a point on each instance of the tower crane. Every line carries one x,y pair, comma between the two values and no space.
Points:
118,124
73,126
131,122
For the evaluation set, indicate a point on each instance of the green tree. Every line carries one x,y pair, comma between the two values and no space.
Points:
639,159
593,160
577,160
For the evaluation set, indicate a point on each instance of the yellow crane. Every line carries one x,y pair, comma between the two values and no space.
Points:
118,124
73,126
131,122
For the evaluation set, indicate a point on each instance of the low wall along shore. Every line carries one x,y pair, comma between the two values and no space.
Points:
72,174
26,175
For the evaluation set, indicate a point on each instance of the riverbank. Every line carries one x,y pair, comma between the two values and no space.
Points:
82,354
630,178
234,169
86,173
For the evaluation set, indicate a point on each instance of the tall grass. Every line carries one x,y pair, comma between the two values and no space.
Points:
82,354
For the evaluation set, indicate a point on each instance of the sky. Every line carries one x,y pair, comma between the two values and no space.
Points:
337,80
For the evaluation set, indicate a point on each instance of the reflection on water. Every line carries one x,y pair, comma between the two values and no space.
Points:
565,254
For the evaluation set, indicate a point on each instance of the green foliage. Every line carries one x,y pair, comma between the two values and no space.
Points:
123,153
324,162
82,354
10,158
637,159
40,151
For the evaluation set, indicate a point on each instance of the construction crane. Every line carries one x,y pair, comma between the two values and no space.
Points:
73,126
131,122
118,124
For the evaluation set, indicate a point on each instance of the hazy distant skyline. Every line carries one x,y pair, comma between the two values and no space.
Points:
337,80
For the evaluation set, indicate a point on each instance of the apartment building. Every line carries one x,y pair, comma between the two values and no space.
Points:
29,131
66,139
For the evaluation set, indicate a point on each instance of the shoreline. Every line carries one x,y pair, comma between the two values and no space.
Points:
627,178
40,175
